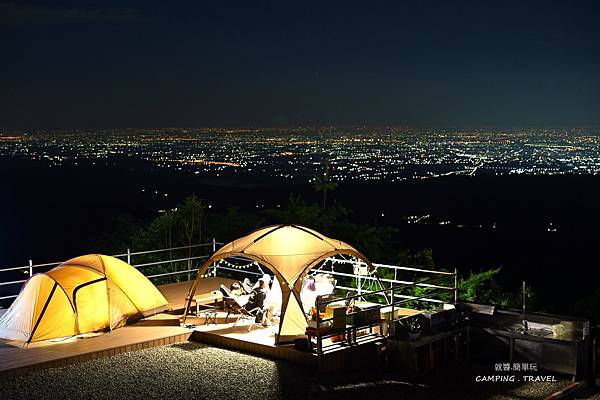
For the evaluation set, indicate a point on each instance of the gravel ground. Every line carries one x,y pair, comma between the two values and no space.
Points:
196,371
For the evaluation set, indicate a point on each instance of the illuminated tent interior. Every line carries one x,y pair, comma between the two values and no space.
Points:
83,295
289,252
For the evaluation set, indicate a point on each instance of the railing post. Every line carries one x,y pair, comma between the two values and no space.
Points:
128,256
214,249
318,330
392,319
30,268
189,267
455,285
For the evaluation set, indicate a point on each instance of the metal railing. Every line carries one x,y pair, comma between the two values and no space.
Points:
390,294
395,280
31,268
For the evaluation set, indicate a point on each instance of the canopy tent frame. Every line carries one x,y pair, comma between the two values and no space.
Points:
288,288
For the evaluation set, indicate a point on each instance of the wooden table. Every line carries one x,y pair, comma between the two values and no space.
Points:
206,299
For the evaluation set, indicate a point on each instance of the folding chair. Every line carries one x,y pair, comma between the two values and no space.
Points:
233,307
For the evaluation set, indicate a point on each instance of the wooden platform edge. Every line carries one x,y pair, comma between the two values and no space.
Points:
278,352
334,362
173,339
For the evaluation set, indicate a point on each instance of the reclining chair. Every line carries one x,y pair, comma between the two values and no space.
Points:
232,306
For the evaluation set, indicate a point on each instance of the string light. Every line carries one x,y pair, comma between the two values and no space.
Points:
236,266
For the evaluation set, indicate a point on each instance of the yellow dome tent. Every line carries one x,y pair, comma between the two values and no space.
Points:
289,252
82,295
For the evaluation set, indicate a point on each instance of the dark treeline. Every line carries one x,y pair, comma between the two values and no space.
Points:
189,223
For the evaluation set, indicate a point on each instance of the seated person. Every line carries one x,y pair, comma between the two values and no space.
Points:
324,284
266,278
236,289
308,293
257,299
272,303
235,292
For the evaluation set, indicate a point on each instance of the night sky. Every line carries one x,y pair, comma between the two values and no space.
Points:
258,63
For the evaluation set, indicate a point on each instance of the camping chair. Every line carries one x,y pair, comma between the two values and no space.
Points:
232,306
235,308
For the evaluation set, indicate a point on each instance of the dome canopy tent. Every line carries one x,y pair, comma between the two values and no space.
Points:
82,295
289,252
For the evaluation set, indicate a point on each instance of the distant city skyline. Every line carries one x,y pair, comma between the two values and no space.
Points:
358,154
420,64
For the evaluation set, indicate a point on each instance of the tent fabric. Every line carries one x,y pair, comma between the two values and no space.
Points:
85,294
290,252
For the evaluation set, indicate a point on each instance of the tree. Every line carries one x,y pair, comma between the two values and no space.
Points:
118,238
296,211
372,241
232,224
181,226
189,216
324,184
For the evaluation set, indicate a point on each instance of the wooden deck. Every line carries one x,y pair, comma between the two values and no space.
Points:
165,329
15,359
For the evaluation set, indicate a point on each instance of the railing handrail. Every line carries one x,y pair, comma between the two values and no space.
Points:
358,262
419,283
380,291
168,261
27,267
172,248
411,298
403,296
13,282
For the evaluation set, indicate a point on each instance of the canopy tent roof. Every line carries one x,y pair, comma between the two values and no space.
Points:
290,252
82,295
